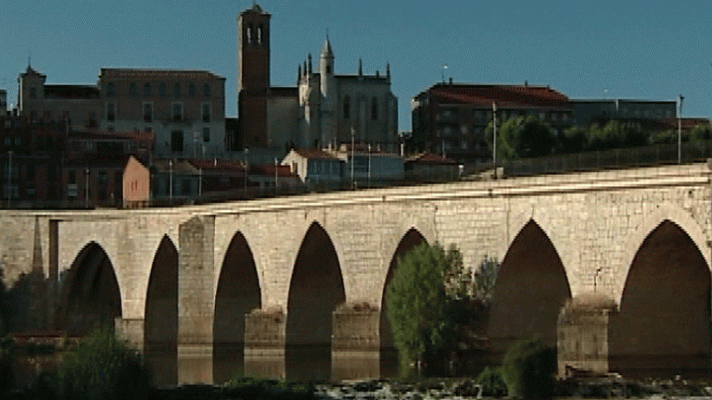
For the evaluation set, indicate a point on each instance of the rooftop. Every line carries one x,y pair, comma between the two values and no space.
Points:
505,96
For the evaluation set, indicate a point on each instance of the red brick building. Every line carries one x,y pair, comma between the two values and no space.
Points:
451,119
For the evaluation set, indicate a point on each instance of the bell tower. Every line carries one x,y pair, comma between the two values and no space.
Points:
253,71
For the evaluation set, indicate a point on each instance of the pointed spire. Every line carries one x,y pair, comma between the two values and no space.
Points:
388,71
299,73
360,67
326,51
310,63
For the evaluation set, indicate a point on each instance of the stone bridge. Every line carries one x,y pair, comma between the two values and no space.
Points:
265,276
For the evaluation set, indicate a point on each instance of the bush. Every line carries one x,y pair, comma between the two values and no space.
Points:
250,388
103,368
492,383
528,369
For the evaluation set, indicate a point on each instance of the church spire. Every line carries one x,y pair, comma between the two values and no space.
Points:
360,67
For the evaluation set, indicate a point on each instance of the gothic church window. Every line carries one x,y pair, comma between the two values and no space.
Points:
347,107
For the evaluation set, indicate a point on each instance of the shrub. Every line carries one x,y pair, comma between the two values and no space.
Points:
528,369
268,389
103,368
492,383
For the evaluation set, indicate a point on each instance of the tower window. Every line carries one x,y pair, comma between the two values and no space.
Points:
177,112
110,111
347,107
206,90
148,112
177,141
110,89
205,110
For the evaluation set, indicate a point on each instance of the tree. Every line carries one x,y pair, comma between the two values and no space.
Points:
528,369
422,299
522,137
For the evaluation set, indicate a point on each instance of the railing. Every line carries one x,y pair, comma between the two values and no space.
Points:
690,152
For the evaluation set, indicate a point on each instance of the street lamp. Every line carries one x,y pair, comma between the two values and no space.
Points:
86,187
170,181
246,168
494,136
9,177
679,129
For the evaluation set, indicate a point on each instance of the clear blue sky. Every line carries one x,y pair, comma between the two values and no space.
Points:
585,49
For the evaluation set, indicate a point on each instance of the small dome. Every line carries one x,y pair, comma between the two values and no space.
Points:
592,301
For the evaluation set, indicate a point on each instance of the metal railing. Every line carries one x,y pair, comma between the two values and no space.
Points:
698,151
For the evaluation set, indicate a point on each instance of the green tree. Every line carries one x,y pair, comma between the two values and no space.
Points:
522,137
528,369
103,368
423,298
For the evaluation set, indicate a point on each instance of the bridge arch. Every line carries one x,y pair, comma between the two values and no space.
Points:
237,294
530,289
316,288
663,212
664,320
161,313
90,294
407,242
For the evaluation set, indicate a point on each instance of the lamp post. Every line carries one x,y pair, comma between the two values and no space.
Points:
369,165
679,129
352,157
494,136
246,168
170,181
9,177
86,187
276,176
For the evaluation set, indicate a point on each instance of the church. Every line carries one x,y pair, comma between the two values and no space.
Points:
324,110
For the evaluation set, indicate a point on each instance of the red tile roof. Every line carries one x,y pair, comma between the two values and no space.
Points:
506,96
430,158
315,154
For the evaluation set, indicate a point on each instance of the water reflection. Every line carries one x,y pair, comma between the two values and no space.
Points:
163,362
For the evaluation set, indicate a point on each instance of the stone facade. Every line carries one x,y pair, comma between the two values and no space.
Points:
605,227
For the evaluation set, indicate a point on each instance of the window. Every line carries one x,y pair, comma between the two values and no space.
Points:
147,92
133,89
162,89
110,89
176,90
374,109
206,134
191,90
205,110
148,112
177,141
177,112
347,107
110,111
206,90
